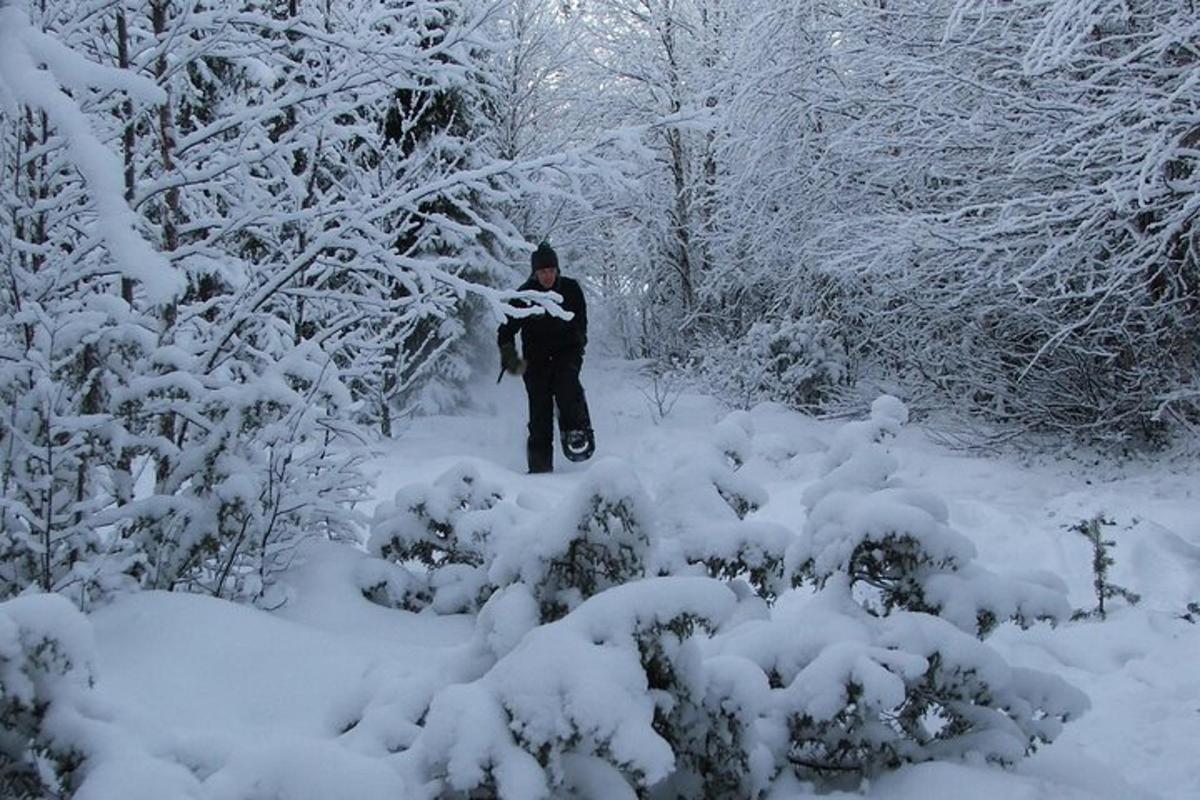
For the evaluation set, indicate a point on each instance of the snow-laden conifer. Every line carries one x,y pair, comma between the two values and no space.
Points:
885,667
617,680
704,502
895,543
600,537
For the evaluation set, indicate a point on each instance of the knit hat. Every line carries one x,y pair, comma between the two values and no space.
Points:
543,258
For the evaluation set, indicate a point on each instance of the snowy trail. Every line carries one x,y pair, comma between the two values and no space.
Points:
330,676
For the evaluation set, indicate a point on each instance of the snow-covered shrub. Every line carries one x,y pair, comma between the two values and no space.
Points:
393,585
601,673
599,538
430,523
604,689
895,544
470,543
853,692
59,738
444,528
703,506
857,458
706,713
45,650
886,667
792,361
599,681
751,550
715,487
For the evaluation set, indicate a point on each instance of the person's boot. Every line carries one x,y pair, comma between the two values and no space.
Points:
578,445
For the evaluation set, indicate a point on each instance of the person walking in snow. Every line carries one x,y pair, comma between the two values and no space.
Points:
553,356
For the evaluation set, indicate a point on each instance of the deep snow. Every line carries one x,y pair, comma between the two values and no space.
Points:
295,703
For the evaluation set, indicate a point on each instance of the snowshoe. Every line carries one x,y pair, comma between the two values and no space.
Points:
578,445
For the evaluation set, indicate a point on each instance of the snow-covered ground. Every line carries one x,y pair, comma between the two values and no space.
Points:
312,700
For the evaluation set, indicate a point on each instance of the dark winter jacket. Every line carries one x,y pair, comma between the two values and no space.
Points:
544,335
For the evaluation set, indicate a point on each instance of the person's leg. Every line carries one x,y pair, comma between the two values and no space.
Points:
568,395
539,448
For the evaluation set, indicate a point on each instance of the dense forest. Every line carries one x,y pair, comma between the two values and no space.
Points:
242,238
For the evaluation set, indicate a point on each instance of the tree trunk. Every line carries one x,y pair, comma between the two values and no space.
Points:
127,136
170,211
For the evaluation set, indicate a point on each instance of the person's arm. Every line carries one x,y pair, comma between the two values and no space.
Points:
508,332
506,337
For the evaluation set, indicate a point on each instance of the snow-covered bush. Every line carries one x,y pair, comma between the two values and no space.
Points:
797,362
429,524
59,738
612,693
895,543
599,538
703,505
45,650
600,676
886,668
444,527
470,543
707,710
393,585
857,693
599,680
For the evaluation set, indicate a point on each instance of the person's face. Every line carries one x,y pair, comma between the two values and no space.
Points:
545,276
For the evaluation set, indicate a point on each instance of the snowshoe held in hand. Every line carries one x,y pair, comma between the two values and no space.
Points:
578,445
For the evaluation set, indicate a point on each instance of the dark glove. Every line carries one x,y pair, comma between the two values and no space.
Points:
509,361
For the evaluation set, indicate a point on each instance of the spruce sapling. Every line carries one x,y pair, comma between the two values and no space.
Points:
1101,561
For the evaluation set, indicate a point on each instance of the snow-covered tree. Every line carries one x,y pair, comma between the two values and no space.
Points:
231,299
912,681
1012,213
69,339
656,64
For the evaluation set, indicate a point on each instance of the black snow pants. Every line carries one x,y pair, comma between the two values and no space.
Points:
553,380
